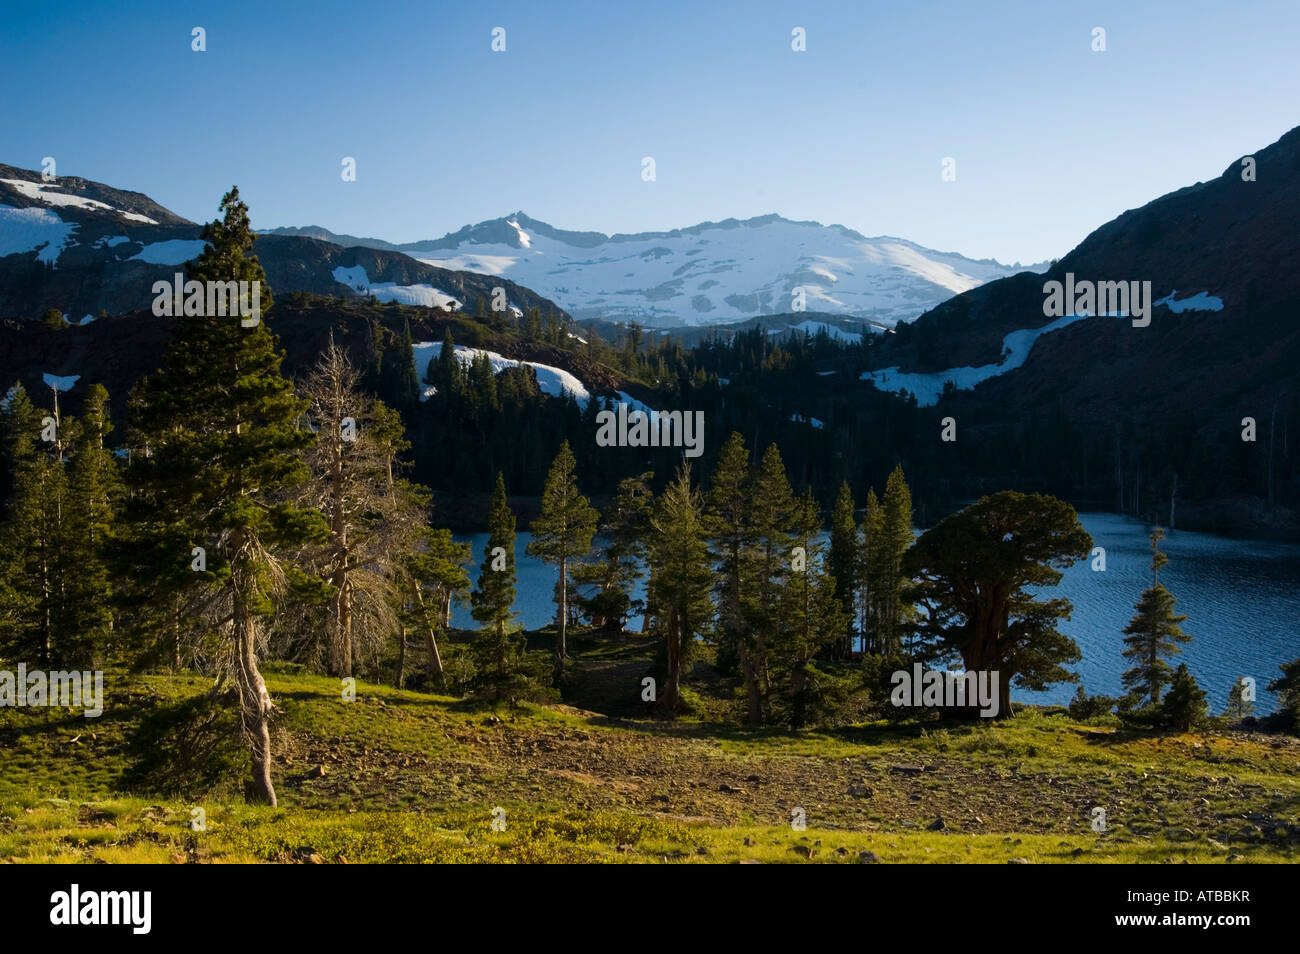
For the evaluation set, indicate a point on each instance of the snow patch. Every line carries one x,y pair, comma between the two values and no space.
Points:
25,230
553,381
928,386
38,191
355,277
800,419
1198,302
524,239
838,334
170,252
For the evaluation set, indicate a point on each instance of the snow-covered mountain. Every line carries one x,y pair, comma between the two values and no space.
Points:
712,273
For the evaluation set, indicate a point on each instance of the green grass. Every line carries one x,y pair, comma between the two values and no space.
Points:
404,776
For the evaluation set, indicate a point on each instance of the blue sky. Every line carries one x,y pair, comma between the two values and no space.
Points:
1050,138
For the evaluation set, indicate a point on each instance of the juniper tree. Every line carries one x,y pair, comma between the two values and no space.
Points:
972,571
561,533
218,451
1153,635
681,605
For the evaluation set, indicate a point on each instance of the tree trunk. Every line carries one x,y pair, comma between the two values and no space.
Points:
401,657
431,638
673,686
562,625
753,696
254,700
176,633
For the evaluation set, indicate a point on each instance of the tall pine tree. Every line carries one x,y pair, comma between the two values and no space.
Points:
1153,635
562,532
679,558
842,563
219,447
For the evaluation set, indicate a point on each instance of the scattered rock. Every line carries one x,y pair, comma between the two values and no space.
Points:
868,858
803,851
906,769
729,789
937,825
317,772
1017,861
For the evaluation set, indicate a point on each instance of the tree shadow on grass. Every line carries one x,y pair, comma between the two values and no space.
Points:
191,748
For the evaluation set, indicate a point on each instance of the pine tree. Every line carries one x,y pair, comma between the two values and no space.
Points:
446,374
94,491
562,532
1153,635
616,573
1239,705
811,618
400,385
772,512
895,539
679,559
494,594
726,516
842,562
875,578
438,568
505,671
33,539
1288,689
219,447
1184,707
